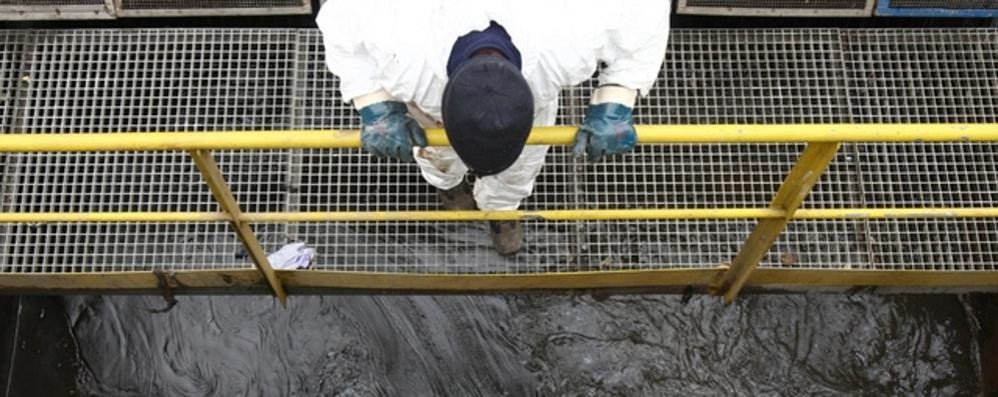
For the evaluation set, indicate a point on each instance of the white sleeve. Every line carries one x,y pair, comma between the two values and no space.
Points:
636,45
546,114
341,24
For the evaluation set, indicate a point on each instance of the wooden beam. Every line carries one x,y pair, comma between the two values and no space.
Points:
250,280
802,177
695,276
220,190
127,282
498,282
774,277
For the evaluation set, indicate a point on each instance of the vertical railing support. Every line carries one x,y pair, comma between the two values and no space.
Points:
802,177
223,195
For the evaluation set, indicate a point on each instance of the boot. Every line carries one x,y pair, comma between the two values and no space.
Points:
458,197
507,236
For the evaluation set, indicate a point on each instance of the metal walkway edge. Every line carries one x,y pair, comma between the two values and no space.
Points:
908,203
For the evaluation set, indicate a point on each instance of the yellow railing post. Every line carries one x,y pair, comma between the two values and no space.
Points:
223,195
802,177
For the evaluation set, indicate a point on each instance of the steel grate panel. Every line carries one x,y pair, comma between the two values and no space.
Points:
922,76
165,80
942,76
631,245
726,76
427,247
710,176
13,44
953,4
104,182
213,79
814,244
118,247
930,175
161,80
172,80
317,101
4,3
348,180
12,47
189,8
554,247
195,4
748,77
816,4
778,8
935,244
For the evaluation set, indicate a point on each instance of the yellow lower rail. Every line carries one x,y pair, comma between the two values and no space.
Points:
472,216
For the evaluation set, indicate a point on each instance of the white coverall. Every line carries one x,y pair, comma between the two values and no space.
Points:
402,46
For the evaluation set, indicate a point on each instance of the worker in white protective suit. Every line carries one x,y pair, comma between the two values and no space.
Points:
487,71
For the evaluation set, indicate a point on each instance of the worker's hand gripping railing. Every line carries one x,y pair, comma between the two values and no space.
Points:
823,143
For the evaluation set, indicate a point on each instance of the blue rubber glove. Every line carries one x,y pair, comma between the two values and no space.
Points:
388,131
607,129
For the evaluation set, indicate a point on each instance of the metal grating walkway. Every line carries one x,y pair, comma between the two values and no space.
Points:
249,79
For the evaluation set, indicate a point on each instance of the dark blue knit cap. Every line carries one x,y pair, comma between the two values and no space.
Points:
494,37
488,110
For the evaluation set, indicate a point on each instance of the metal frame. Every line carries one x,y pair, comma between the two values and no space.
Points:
304,8
824,142
111,9
106,10
684,8
884,9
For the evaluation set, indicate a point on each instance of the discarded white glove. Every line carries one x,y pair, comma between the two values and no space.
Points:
292,256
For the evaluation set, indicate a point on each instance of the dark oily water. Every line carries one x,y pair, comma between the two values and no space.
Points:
827,344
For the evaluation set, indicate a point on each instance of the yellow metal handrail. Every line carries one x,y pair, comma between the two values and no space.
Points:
823,143
330,139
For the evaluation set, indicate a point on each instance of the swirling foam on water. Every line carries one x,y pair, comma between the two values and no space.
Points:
829,344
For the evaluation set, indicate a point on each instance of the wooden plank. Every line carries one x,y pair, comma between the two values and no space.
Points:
499,282
220,190
795,188
250,280
125,282
631,278
872,278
